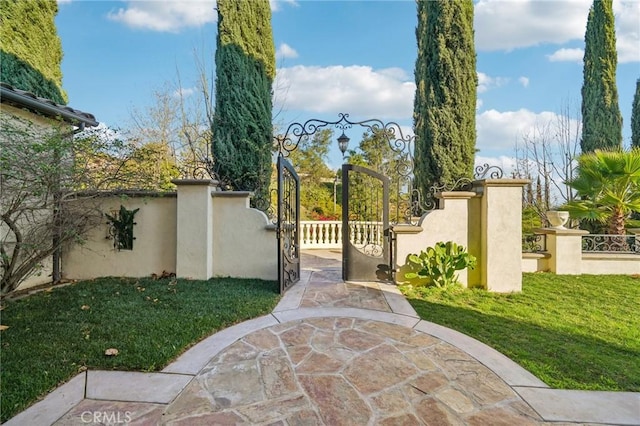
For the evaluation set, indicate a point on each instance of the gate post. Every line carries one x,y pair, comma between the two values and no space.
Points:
194,239
500,260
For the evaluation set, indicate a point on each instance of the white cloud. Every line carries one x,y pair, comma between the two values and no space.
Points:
627,15
166,16
286,51
499,131
524,81
358,90
172,15
184,92
486,82
567,55
63,1
275,4
507,25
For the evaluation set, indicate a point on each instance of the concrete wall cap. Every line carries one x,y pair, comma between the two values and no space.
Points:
611,256
209,182
502,182
456,194
555,231
536,255
232,194
406,229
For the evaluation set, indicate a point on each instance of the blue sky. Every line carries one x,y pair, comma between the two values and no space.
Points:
345,56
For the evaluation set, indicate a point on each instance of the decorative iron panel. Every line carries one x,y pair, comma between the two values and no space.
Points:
288,226
601,243
365,225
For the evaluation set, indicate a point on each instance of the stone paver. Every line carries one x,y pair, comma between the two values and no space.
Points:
331,353
347,371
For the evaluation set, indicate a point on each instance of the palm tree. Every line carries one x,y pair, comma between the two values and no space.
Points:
608,188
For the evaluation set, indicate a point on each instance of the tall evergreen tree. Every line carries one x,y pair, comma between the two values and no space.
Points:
635,118
245,69
601,118
30,49
444,112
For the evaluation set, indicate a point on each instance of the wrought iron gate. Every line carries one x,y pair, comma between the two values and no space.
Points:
288,225
366,248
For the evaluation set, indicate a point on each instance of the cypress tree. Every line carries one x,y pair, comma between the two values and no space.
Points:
245,69
444,113
30,49
635,118
601,118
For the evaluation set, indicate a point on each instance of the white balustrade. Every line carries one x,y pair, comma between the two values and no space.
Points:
326,234
320,234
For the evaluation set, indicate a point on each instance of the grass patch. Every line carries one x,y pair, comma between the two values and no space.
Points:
53,335
572,332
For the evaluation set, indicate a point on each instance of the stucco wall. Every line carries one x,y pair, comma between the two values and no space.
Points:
154,247
244,242
535,262
448,223
27,125
610,263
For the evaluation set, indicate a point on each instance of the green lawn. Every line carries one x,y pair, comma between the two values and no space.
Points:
572,332
53,335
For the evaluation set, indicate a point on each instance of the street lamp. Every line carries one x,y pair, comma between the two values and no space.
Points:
343,143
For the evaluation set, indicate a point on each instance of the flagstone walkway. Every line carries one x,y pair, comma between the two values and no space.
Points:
331,353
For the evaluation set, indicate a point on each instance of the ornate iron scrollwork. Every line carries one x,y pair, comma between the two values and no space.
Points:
600,243
486,171
121,228
409,203
533,243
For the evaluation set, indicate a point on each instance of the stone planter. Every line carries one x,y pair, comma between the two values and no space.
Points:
557,218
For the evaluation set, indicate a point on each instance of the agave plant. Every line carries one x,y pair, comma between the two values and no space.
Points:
608,188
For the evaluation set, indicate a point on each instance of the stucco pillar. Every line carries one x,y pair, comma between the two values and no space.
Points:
565,249
194,251
500,260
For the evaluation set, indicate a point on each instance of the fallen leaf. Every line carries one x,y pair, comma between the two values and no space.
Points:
3,327
85,307
111,352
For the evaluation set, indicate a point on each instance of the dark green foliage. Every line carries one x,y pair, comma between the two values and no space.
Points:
445,103
245,68
316,179
601,118
53,335
31,52
635,118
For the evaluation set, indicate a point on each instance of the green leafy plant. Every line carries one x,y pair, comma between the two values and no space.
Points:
438,265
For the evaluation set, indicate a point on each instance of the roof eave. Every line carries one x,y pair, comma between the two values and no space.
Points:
47,109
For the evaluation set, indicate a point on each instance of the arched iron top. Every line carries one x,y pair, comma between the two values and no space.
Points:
289,141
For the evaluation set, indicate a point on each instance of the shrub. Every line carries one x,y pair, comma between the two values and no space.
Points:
438,265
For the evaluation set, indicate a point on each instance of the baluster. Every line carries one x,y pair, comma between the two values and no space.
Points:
304,233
